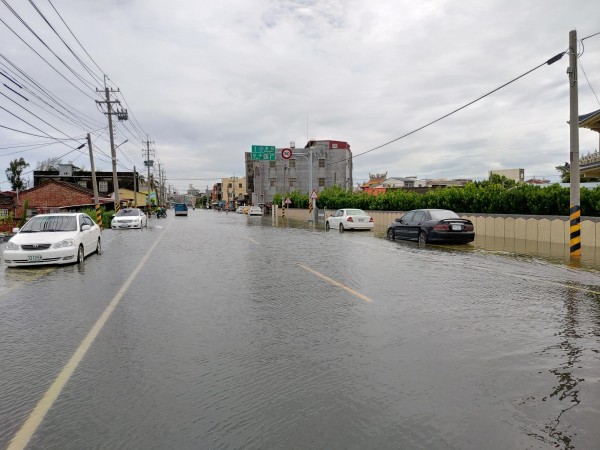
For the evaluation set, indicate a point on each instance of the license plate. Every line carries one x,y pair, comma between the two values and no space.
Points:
361,220
456,227
34,257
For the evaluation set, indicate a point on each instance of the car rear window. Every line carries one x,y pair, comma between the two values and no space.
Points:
356,212
441,214
180,207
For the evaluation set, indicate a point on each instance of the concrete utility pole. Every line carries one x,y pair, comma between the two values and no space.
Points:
135,187
121,115
575,205
96,199
149,163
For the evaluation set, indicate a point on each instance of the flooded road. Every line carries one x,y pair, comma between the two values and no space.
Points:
221,331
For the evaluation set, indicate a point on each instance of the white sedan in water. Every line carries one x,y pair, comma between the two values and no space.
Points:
129,218
349,219
60,238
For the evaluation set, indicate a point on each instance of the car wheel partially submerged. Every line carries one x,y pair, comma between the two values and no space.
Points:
341,227
327,227
422,238
80,255
390,234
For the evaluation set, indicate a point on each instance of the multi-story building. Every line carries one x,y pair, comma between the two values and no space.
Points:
331,166
234,191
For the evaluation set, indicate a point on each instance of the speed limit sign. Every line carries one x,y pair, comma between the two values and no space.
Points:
286,153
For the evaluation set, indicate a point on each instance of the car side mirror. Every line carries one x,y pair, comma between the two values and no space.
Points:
85,227
399,220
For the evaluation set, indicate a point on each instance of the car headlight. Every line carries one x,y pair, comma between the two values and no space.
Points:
12,246
65,243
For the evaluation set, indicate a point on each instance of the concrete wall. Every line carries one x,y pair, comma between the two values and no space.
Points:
541,229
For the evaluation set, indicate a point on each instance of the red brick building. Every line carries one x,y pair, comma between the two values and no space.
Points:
55,196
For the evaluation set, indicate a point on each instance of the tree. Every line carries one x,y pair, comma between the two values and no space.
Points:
48,164
14,171
565,172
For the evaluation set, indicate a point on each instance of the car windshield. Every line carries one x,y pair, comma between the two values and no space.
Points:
50,223
128,212
355,212
441,214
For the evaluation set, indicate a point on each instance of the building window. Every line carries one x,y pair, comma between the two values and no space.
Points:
240,185
321,162
321,182
103,186
292,163
229,185
83,184
292,181
3,212
272,164
273,181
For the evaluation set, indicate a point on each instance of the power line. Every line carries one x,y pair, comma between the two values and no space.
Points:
63,41
89,85
548,62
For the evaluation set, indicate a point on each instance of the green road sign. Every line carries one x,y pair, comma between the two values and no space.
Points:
263,153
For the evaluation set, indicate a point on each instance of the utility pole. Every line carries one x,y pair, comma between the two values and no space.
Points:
575,205
121,115
96,199
135,187
148,163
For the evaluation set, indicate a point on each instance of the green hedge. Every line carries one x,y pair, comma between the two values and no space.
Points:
484,197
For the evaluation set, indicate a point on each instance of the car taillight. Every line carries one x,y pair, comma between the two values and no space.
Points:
371,219
468,227
349,219
441,227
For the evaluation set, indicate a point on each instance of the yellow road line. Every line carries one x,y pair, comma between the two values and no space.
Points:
23,436
337,283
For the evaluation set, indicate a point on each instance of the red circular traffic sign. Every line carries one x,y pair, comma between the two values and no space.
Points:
286,153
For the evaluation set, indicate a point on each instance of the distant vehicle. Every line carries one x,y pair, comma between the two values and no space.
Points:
255,211
53,239
240,210
349,219
181,209
432,225
129,218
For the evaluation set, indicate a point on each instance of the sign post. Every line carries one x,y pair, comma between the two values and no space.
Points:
312,205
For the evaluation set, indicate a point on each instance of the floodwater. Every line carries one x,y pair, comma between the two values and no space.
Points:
237,334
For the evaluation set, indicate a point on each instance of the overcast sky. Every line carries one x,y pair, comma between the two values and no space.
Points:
205,80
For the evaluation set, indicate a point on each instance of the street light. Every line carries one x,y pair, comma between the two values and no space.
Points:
126,140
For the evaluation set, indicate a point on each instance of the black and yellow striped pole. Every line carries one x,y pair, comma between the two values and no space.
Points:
575,205
96,200
283,212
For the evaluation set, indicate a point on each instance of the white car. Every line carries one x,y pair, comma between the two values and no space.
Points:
129,218
59,238
349,219
255,211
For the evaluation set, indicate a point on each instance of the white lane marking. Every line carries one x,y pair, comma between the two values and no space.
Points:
29,427
250,239
337,283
